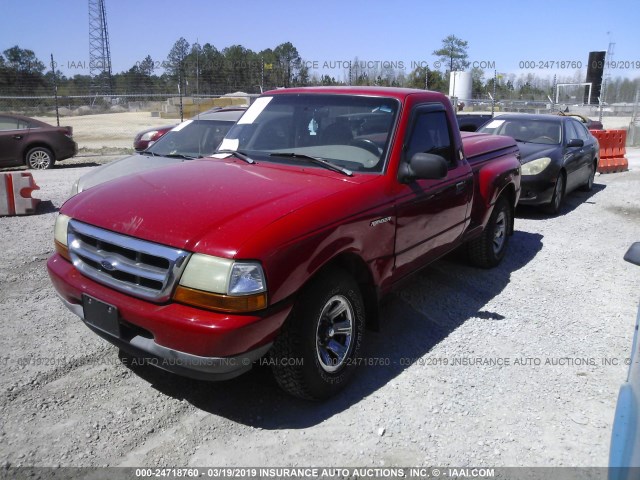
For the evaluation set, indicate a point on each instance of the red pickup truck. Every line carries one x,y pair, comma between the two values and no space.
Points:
319,201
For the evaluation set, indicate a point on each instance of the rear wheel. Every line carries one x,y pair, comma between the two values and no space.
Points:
488,250
553,208
315,354
39,158
592,173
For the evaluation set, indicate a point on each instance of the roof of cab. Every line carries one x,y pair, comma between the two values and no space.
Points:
394,92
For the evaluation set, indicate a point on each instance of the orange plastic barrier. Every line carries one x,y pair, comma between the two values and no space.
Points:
612,150
15,194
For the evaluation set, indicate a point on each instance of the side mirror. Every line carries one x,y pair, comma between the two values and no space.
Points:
423,166
576,142
633,254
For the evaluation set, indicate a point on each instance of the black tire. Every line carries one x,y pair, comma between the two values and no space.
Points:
553,207
39,158
489,249
588,186
303,362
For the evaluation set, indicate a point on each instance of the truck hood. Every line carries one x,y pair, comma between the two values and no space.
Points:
207,206
124,166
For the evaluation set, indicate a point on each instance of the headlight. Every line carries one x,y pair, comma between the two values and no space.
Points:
74,188
222,284
60,235
149,135
536,166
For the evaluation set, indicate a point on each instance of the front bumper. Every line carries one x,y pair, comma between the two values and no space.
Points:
185,340
537,189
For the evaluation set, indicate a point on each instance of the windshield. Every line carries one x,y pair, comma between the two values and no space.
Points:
193,138
525,130
349,131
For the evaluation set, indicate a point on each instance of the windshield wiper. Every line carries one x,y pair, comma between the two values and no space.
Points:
180,155
238,154
318,161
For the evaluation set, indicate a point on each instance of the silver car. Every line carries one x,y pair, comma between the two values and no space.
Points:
624,456
195,138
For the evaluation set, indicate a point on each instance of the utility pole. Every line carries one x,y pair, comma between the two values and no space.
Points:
55,89
99,50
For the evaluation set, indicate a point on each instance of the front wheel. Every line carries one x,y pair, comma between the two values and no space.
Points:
488,249
553,208
39,158
317,350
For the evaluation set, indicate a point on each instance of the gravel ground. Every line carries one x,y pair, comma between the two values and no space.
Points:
507,364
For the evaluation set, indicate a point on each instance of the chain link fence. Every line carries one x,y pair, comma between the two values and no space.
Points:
109,123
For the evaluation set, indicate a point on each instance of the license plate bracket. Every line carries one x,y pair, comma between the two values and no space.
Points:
101,315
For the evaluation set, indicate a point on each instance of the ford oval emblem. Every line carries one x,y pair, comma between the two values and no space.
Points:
107,265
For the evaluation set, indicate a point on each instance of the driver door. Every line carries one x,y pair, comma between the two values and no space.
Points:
431,214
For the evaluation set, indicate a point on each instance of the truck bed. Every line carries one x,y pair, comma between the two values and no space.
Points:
480,147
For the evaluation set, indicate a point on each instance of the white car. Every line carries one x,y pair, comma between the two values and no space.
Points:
624,456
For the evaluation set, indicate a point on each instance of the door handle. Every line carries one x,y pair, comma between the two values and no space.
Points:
460,186
17,137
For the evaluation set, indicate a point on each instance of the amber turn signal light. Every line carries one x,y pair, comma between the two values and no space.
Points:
62,250
219,302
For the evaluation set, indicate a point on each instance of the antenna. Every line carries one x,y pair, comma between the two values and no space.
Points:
99,51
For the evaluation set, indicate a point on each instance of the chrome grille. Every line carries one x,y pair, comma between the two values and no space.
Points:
143,269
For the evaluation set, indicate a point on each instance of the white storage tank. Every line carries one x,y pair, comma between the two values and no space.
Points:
460,85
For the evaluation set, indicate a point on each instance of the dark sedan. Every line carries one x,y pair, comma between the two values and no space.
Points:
36,144
558,155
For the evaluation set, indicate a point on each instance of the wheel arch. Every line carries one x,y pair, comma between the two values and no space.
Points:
358,269
509,192
37,144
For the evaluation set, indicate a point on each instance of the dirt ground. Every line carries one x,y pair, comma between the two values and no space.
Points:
516,366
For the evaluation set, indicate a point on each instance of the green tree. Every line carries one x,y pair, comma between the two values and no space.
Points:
434,79
453,53
176,60
477,82
22,72
289,62
146,66
211,67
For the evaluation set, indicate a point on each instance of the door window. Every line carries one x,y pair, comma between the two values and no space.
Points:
571,131
582,131
8,123
431,134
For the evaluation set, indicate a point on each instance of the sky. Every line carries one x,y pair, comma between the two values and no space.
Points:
507,36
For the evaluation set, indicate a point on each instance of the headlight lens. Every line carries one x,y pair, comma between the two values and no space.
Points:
204,272
222,284
74,188
149,135
536,166
60,229
246,278
60,235
221,275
